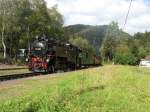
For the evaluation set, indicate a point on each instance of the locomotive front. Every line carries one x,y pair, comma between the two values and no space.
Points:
41,58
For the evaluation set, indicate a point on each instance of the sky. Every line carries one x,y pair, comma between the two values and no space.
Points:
102,12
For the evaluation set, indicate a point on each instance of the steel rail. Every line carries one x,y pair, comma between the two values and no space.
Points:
3,69
25,75
17,76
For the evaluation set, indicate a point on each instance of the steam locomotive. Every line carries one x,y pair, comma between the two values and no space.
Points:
50,55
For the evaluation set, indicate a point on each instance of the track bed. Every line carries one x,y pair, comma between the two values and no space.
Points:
9,72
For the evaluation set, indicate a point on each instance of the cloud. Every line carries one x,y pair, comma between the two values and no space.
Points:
99,12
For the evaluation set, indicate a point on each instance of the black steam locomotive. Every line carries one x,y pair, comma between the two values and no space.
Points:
49,55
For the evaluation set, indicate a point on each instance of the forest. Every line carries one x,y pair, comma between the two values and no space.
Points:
23,20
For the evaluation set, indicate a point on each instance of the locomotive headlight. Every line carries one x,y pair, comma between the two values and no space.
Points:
26,59
47,60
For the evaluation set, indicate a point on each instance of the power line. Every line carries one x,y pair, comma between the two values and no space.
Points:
127,15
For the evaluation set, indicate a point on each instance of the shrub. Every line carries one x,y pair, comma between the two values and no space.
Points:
125,58
20,61
142,52
7,60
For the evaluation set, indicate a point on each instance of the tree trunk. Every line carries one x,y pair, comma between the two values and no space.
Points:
3,43
28,31
11,46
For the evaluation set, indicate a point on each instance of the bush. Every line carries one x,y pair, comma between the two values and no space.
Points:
20,61
142,53
11,61
7,60
125,58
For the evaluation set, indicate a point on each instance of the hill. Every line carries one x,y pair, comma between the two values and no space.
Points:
94,34
103,89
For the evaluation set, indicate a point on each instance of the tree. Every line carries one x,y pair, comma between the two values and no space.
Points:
140,45
142,52
110,41
81,43
56,26
123,55
6,12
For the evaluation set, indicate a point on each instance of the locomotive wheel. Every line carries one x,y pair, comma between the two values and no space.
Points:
70,66
30,69
51,69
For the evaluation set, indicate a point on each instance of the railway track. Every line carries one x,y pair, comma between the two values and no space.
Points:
17,76
3,69
31,74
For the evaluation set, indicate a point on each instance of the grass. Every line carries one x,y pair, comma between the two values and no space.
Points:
104,89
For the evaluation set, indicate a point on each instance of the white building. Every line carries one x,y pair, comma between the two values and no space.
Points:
144,63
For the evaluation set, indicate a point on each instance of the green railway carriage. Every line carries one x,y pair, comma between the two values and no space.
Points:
88,59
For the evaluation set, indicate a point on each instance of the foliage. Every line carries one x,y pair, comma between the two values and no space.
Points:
112,39
126,58
143,44
142,52
81,43
7,60
124,55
